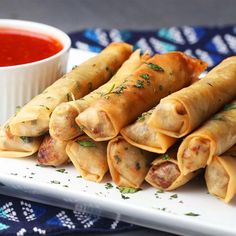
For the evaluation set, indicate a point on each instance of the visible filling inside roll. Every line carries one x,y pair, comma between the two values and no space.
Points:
131,163
52,152
217,179
95,124
174,122
62,124
195,156
165,174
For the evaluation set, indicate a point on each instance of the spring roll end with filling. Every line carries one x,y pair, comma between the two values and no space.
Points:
52,152
88,157
221,178
128,165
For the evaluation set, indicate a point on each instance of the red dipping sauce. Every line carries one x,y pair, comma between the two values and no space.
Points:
21,47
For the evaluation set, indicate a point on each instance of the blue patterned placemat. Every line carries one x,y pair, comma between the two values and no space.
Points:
23,218
212,44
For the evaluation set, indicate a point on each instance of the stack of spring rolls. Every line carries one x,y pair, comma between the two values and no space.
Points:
137,117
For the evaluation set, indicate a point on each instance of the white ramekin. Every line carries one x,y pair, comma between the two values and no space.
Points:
18,84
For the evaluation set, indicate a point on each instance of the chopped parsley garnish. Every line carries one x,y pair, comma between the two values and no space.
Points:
145,76
191,214
78,176
108,186
117,159
86,143
61,170
113,86
110,91
55,182
160,191
174,196
45,107
217,117
160,87
155,67
165,157
119,90
125,190
26,139
144,115
229,107
18,108
139,84
74,67
124,197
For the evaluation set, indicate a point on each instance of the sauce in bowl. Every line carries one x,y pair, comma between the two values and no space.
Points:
20,47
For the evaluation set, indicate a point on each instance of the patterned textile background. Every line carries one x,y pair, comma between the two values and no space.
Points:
21,217
209,44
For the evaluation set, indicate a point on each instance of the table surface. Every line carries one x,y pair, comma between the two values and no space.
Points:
73,15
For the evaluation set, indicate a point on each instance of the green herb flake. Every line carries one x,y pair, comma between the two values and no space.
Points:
230,106
86,143
160,87
139,84
79,176
108,186
61,170
143,116
155,67
174,196
74,67
165,157
26,139
191,214
125,190
111,89
44,107
65,186
55,182
117,159
120,89
81,127
124,197
145,76
217,117
160,191
18,108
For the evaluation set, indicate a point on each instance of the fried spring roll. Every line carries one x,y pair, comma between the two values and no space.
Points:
88,157
62,123
15,146
128,165
220,175
52,152
160,76
165,173
183,111
141,135
33,119
215,137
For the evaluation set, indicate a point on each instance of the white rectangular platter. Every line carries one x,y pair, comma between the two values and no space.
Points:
187,211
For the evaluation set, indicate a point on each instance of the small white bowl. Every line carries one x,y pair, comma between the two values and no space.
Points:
19,83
